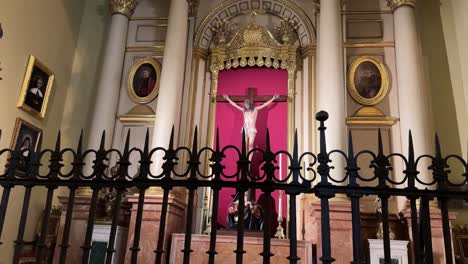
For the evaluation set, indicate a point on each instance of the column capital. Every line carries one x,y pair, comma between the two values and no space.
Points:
193,7
394,4
123,7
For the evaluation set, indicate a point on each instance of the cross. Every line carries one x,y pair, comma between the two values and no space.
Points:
253,14
251,95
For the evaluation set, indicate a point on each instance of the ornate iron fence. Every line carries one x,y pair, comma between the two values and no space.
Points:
27,171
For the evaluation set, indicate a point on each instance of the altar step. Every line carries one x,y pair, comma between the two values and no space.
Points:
226,244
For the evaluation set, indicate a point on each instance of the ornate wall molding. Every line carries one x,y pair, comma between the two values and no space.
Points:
394,4
284,9
123,7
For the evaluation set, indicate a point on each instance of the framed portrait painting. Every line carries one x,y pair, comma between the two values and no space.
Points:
143,81
36,89
368,80
25,138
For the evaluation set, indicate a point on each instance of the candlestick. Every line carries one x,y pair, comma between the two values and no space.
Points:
280,168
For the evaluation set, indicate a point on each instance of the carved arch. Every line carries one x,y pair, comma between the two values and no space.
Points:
285,9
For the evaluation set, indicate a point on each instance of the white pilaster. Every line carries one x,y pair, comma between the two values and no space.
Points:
331,84
172,75
108,89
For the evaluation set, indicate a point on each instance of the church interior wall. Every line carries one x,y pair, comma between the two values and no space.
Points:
454,23
445,59
65,42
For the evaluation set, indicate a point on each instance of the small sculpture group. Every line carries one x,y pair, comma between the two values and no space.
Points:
253,215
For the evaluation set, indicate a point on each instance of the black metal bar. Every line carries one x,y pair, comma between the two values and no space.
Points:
386,230
440,173
22,224
415,232
214,217
352,170
113,232
321,192
89,227
243,164
188,228
136,236
162,227
45,225
293,258
446,230
77,169
267,230
427,231
3,207
66,229
217,169
295,167
325,222
240,229
412,172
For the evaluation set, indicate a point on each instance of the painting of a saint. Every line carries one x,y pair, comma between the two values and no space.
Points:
143,81
36,88
24,140
368,80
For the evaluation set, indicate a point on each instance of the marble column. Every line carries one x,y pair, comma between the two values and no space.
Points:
172,75
414,104
331,80
108,89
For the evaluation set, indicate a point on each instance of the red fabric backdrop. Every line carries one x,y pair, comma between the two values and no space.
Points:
229,121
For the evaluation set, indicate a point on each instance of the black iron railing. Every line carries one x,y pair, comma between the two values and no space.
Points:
193,177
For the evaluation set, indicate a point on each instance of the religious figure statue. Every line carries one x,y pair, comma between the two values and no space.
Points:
250,112
253,215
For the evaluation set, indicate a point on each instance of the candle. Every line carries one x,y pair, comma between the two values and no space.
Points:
280,168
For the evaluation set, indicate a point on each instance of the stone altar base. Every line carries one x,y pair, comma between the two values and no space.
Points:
438,248
175,223
341,233
78,226
225,246
77,230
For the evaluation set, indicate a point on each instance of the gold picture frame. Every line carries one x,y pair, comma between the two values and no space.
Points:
141,89
368,80
35,91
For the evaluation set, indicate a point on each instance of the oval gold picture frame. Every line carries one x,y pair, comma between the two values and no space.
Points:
358,91
146,62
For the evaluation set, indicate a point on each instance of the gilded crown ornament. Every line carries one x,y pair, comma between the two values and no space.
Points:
124,7
394,4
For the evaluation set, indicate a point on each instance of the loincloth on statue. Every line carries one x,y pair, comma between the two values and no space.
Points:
249,131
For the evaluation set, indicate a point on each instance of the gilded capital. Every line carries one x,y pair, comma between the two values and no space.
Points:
394,4
124,7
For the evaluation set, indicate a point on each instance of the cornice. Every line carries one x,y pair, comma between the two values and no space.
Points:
123,7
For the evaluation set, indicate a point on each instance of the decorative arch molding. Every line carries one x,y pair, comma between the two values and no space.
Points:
284,9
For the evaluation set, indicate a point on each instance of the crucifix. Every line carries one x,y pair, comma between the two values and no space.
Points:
250,111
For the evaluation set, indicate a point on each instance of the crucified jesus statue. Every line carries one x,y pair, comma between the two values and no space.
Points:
250,112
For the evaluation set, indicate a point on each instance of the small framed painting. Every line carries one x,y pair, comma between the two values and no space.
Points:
36,89
368,80
25,138
143,81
